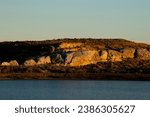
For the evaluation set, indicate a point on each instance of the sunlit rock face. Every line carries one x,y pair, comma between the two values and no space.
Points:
44,60
72,52
103,55
79,54
80,58
30,62
70,45
5,64
128,53
115,56
143,54
11,63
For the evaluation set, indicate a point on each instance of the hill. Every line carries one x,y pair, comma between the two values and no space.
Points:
75,59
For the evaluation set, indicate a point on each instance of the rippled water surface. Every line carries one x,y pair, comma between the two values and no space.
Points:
74,89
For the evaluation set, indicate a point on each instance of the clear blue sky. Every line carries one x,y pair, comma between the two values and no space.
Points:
48,19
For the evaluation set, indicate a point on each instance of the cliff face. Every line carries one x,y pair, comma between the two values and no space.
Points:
76,52
93,51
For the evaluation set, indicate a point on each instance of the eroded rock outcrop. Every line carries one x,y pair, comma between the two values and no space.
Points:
11,63
44,60
80,58
114,55
103,55
143,54
79,54
30,62
73,52
128,53
70,45
5,64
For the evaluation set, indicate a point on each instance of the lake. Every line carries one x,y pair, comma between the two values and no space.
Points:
73,89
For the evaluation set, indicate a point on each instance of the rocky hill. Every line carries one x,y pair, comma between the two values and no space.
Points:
75,56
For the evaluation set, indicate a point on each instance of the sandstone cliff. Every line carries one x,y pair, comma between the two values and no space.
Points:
78,52
84,52
75,59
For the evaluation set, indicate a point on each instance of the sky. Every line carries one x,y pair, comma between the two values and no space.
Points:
52,19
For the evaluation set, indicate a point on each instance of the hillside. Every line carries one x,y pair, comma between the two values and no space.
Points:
75,59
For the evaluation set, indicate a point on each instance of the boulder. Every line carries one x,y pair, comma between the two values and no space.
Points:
80,58
43,60
29,62
114,56
143,54
128,53
5,64
103,55
47,59
13,63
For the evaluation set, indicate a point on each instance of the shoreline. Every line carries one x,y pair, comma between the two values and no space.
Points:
75,76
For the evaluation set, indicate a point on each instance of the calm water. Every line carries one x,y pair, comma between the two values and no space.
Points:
74,89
